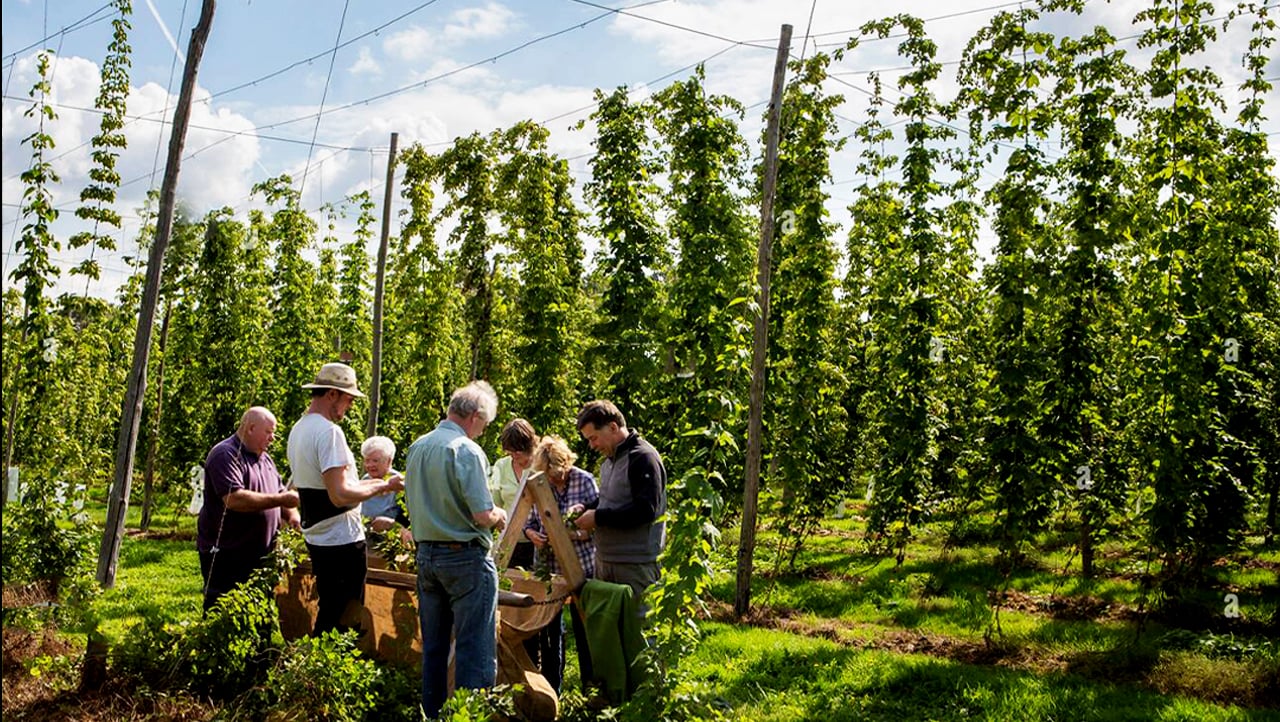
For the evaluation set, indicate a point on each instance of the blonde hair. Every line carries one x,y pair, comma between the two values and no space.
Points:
553,452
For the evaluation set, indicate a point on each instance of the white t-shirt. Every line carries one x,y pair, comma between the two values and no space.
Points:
316,445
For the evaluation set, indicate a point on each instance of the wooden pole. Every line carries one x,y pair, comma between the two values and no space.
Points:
153,434
747,540
375,394
131,412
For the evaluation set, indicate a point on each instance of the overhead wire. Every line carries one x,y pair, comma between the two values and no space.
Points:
319,55
207,100
804,46
633,88
491,59
80,24
733,45
851,31
209,128
695,31
342,22
168,93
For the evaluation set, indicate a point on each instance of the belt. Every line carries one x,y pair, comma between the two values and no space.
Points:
455,545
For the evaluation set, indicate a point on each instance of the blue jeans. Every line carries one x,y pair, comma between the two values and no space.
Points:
458,595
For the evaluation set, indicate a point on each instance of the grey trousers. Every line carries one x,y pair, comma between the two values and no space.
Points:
637,575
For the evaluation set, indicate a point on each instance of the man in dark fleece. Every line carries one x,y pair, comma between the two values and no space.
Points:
633,496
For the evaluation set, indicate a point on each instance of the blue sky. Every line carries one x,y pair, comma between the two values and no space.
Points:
241,135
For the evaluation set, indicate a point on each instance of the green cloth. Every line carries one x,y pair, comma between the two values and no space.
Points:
613,636
445,482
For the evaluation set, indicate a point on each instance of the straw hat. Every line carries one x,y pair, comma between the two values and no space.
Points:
336,376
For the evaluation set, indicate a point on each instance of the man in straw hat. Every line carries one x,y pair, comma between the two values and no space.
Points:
330,490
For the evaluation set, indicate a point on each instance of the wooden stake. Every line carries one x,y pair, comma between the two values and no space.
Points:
131,413
375,395
747,541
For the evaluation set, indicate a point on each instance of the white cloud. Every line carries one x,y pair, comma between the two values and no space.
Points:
365,64
222,169
478,23
217,170
452,72
491,21
413,43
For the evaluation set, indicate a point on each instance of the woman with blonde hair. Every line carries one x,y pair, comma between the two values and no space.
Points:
570,486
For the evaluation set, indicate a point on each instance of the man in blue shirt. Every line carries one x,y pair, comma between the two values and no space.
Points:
451,515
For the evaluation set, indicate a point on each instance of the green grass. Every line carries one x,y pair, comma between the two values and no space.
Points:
155,578
1046,662
771,675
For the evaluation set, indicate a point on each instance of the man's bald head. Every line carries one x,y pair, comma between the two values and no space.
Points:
257,429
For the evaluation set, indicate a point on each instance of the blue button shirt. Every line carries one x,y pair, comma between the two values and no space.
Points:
446,482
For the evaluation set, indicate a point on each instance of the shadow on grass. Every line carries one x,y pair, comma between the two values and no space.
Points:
867,581
763,675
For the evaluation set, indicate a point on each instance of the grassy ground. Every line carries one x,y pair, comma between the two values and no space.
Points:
772,675
158,575
843,635
839,634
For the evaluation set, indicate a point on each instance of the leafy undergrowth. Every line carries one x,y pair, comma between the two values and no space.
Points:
1249,683
41,683
842,635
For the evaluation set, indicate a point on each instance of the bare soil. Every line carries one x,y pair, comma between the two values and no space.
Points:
50,697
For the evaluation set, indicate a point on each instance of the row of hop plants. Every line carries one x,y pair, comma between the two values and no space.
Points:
1096,340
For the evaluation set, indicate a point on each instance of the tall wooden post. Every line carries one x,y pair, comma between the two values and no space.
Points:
751,491
375,392
131,412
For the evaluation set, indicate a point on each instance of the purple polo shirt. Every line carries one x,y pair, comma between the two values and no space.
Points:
229,467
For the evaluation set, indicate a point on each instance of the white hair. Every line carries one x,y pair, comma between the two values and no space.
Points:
477,397
378,443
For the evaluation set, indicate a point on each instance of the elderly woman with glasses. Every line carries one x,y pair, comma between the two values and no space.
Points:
383,511
571,486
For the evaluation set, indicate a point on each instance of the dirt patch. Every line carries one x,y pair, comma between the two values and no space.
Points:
162,534
813,574
838,533
114,704
21,646
40,593
53,696
1255,563
1084,607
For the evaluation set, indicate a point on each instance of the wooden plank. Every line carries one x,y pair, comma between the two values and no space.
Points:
553,524
514,530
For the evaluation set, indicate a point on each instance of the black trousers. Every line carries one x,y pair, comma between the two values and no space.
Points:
340,573
522,555
227,569
546,649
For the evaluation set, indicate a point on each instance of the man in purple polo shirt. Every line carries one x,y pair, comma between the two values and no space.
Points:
244,503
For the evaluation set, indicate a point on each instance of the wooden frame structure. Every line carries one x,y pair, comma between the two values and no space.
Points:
535,494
